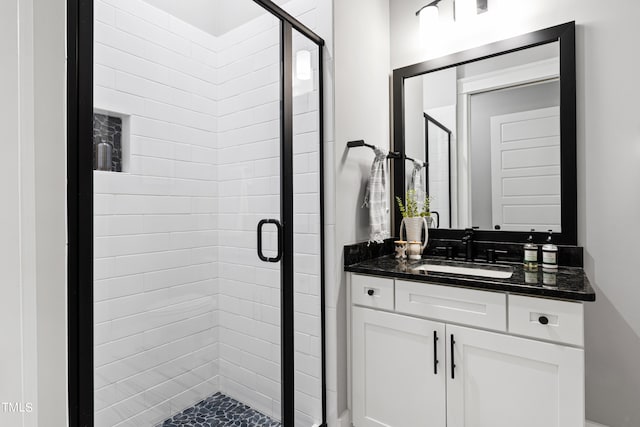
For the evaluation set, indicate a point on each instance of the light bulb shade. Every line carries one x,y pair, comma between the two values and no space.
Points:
303,65
428,18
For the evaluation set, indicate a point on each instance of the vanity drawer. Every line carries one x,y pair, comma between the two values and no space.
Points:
370,291
480,309
547,319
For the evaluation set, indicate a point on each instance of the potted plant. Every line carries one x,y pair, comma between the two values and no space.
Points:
414,216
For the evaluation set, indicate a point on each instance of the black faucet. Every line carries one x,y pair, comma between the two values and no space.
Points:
467,242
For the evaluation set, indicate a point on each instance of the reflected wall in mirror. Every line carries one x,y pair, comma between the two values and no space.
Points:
503,116
487,122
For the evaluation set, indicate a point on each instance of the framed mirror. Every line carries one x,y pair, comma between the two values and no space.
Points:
489,136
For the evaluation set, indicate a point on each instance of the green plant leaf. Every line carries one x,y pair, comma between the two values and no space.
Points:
411,208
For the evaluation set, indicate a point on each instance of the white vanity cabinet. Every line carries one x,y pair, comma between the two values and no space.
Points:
430,355
505,381
398,370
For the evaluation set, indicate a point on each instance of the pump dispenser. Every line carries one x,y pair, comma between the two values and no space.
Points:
550,254
530,253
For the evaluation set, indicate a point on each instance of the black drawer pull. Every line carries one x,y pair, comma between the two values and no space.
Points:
435,352
370,292
544,320
453,358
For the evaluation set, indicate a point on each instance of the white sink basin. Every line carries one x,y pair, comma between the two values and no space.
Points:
497,272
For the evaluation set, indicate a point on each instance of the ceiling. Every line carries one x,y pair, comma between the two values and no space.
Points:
216,17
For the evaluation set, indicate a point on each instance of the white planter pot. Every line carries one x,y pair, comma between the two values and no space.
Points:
413,227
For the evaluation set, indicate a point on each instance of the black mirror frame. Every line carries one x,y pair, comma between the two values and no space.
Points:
565,35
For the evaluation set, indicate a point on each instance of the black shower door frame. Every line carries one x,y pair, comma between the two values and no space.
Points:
80,210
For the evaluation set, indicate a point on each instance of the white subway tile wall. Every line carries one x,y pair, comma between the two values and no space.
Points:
307,237
249,179
156,239
183,306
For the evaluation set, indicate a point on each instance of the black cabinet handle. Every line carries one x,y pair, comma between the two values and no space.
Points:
435,352
370,292
453,358
279,227
544,320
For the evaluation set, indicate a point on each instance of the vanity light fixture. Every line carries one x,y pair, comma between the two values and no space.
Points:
430,14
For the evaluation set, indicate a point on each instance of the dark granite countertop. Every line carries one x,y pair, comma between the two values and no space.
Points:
568,283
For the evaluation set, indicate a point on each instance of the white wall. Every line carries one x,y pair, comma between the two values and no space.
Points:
414,120
362,105
50,154
608,158
361,37
18,196
32,249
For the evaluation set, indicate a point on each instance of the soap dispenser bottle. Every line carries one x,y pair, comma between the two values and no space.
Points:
530,253
550,254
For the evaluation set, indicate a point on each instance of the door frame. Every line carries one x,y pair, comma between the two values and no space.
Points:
80,211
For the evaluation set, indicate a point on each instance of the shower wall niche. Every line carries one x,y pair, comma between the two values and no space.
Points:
183,307
108,135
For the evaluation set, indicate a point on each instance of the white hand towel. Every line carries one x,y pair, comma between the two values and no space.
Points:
376,198
416,177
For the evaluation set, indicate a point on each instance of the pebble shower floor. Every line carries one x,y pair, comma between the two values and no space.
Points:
219,411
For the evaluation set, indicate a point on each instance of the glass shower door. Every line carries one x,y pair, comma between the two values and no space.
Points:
187,164
307,245
249,214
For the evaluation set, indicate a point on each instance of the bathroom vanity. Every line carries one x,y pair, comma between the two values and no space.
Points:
465,336
443,349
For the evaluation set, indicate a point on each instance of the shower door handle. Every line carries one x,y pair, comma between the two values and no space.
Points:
279,227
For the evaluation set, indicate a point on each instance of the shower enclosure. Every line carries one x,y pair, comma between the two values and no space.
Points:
195,214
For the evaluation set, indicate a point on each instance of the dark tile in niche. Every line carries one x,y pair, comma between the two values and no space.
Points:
109,129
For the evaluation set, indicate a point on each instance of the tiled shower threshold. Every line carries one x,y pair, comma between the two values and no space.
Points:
220,411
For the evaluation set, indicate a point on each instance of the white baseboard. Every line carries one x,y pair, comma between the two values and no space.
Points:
345,419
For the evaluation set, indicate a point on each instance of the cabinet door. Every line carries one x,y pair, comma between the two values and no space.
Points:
396,382
504,381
